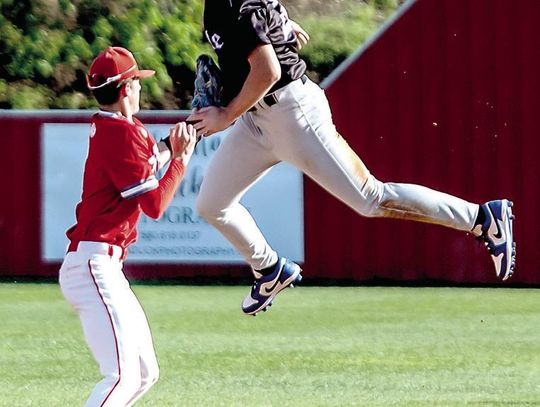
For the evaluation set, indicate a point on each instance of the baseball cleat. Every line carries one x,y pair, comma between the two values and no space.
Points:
265,288
497,234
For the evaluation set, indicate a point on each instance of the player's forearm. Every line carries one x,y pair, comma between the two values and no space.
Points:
164,155
265,71
155,202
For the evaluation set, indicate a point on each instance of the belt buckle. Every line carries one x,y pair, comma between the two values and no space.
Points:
270,99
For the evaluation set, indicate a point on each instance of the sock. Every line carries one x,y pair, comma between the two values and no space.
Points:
267,270
481,218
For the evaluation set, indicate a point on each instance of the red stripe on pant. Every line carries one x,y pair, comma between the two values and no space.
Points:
114,334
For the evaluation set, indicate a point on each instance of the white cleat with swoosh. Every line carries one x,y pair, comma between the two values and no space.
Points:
497,234
285,274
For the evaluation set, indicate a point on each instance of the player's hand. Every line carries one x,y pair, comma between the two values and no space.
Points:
210,120
302,37
183,138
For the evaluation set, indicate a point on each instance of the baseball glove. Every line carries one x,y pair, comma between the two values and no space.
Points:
207,83
207,90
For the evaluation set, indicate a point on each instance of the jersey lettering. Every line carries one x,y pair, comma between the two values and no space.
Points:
214,40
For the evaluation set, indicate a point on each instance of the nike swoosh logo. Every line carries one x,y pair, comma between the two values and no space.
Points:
496,229
269,286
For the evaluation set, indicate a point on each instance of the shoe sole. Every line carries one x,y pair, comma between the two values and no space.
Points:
295,278
510,249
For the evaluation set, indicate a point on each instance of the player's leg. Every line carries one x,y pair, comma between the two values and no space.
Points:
94,288
242,159
339,170
309,141
147,356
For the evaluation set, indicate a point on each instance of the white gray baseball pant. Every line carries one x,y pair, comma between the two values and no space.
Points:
299,130
114,324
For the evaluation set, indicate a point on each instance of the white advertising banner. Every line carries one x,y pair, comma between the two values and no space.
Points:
180,236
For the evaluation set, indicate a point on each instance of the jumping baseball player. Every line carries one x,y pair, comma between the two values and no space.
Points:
119,183
278,114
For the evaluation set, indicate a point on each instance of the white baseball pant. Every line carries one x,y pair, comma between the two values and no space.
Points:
114,324
299,130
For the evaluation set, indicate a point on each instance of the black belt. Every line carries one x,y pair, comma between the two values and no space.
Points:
271,99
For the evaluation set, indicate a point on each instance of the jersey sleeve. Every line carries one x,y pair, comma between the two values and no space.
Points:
155,202
253,28
130,163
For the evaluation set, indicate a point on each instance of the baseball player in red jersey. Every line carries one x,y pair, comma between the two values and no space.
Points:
275,113
119,183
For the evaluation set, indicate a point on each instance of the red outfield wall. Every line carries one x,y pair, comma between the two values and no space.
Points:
445,96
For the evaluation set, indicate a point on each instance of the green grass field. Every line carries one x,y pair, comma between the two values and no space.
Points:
357,346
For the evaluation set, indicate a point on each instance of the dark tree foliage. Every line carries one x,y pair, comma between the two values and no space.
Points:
46,46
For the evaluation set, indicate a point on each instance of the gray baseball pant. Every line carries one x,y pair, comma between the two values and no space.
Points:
299,130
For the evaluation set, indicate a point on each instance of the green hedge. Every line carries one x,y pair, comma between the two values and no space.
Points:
46,46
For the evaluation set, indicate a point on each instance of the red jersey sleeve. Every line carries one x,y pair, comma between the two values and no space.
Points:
130,158
155,202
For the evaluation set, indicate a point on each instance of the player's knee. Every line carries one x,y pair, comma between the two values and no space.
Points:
207,209
372,192
110,381
129,383
124,385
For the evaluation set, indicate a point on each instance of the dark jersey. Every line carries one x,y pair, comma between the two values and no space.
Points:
235,28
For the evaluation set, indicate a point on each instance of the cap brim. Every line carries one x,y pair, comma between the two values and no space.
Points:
146,73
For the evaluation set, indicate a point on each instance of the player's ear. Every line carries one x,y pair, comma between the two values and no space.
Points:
127,88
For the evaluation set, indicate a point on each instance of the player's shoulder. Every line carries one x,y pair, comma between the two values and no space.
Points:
113,135
252,4
113,120
113,126
248,6
260,9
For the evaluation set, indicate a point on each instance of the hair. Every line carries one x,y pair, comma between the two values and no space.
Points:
108,94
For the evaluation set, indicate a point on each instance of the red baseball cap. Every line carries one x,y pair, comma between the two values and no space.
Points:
114,65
